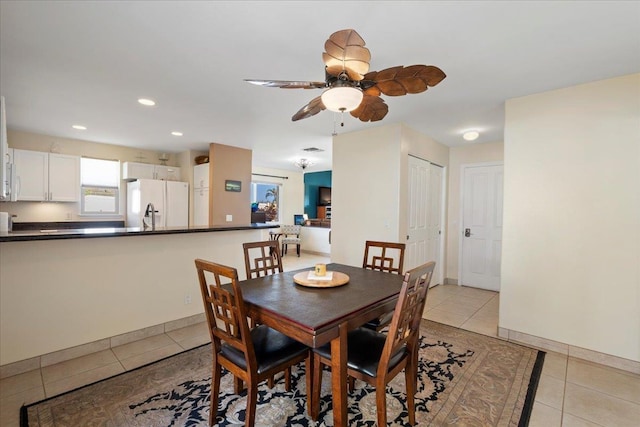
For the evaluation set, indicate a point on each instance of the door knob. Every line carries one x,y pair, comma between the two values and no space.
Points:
467,232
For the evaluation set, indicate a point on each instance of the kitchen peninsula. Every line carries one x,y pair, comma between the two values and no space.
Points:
77,289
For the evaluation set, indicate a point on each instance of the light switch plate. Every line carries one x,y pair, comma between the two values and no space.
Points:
229,218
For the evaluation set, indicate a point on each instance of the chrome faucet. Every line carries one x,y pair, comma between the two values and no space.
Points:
150,210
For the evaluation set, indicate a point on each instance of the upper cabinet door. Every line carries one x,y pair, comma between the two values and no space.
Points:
132,171
32,175
201,176
64,178
167,173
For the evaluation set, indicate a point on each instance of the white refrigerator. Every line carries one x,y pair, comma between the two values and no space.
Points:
170,200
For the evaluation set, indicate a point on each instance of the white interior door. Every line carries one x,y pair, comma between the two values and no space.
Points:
418,211
481,247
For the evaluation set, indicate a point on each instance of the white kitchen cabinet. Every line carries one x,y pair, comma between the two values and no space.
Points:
167,173
201,176
133,170
201,195
44,176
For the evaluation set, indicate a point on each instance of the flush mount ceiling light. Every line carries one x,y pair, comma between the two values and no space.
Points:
342,98
147,102
471,135
303,163
79,127
175,133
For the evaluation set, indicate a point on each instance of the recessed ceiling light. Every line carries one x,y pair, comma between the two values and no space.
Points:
79,127
147,102
176,133
472,135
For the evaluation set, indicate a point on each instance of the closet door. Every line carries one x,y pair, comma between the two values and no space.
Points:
425,216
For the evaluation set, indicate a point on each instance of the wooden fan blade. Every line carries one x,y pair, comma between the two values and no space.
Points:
286,84
311,109
371,109
398,81
345,51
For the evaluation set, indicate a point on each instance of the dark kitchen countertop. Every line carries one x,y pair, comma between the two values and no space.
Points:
93,232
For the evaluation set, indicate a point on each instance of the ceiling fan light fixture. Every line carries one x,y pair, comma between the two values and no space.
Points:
303,163
341,99
471,135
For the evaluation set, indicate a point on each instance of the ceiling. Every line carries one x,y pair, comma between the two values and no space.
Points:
64,63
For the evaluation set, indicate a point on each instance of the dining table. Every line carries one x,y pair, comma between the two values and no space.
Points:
316,316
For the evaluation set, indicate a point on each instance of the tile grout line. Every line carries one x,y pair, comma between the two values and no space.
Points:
564,389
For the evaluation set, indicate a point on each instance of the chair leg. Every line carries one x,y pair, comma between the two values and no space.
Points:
309,371
298,250
215,391
381,402
287,379
238,385
410,376
315,387
270,381
252,401
351,384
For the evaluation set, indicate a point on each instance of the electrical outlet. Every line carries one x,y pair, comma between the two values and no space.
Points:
229,218
187,299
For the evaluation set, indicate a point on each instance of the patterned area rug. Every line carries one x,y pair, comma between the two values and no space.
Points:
465,379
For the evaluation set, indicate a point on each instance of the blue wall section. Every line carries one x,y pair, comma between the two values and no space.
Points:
313,180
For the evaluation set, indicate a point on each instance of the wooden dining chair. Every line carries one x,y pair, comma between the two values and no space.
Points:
290,236
262,258
387,257
377,358
250,355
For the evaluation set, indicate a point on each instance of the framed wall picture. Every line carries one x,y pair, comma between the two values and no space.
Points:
230,185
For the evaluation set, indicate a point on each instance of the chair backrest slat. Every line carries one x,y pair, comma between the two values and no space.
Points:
381,256
262,258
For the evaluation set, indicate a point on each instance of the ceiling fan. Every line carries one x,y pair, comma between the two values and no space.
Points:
351,87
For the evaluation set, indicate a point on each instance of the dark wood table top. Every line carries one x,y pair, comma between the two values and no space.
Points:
312,314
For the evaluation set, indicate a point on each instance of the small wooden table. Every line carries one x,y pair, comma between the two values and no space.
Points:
316,316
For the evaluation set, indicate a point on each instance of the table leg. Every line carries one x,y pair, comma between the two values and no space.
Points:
339,377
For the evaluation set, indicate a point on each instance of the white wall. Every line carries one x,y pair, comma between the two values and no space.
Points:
365,197
370,186
571,241
458,156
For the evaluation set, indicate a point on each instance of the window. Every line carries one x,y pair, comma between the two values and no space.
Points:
99,191
265,197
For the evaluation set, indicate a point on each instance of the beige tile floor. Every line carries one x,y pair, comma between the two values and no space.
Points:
571,392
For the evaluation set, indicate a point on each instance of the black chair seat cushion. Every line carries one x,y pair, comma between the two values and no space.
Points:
271,347
364,350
